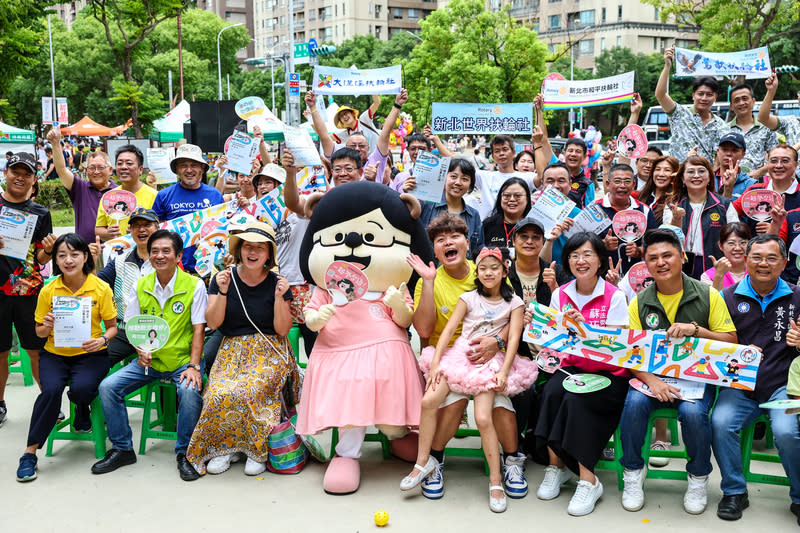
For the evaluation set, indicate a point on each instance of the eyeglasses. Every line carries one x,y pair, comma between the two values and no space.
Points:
586,256
343,170
98,168
535,237
735,244
771,260
645,161
514,196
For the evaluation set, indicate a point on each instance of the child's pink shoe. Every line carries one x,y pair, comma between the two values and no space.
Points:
405,448
342,476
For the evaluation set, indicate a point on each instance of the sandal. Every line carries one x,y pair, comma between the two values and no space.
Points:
408,482
497,505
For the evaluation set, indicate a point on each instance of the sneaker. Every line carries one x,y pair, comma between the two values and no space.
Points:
433,486
695,499
3,414
254,468
609,454
82,423
659,446
633,495
61,416
220,464
514,476
554,477
586,495
27,467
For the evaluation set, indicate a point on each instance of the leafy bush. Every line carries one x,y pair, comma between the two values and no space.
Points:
53,195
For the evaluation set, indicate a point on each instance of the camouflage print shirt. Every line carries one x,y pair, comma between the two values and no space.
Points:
759,140
688,131
789,127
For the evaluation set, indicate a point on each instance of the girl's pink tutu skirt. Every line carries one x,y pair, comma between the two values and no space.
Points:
464,377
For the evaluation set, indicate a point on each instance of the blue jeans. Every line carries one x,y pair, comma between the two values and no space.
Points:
695,429
734,411
118,385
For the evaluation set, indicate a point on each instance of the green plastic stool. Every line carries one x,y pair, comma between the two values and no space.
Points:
24,367
455,451
155,393
614,465
748,456
294,342
63,430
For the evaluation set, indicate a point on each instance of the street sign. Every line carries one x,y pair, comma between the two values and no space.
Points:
312,43
301,54
294,83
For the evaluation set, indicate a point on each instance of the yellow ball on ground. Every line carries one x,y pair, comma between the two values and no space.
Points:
381,518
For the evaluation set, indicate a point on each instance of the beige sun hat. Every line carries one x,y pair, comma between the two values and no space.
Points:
188,151
341,110
271,170
255,231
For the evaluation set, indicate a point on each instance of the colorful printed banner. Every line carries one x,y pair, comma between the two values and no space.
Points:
332,80
702,360
748,63
492,119
193,227
271,209
311,179
563,94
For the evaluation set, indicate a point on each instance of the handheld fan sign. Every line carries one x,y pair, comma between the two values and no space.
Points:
632,142
149,333
758,203
639,277
345,282
629,225
119,204
250,106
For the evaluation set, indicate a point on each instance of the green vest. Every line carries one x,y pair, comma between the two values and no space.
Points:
694,306
177,312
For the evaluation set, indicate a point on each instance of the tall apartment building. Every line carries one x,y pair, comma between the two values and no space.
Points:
592,26
333,20
68,11
234,11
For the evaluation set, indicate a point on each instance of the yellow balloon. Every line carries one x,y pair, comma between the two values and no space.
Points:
381,518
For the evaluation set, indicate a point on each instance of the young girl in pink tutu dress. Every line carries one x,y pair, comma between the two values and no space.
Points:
486,311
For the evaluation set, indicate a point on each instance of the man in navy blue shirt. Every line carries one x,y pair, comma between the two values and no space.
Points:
190,194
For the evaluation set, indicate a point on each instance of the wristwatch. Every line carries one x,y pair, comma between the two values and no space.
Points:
105,339
501,344
196,367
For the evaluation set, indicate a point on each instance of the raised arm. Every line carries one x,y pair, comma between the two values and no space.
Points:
262,146
319,124
666,102
444,151
636,109
376,103
764,115
64,174
388,124
291,197
541,158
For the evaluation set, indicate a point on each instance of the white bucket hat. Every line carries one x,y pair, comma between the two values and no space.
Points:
188,151
271,170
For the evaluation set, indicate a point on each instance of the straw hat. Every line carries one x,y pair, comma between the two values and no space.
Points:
254,232
341,110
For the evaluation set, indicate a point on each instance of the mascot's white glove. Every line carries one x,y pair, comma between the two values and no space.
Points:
316,320
395,297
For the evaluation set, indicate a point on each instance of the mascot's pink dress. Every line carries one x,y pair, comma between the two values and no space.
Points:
362,371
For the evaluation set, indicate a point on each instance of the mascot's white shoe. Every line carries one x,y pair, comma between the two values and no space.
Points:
342,476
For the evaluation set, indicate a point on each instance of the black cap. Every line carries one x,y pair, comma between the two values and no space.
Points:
23,158
528,221
144,214
734,138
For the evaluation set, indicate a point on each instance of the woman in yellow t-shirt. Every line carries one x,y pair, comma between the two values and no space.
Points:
69,314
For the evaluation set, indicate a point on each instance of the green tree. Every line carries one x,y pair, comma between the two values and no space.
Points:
126,24
144,97
22,33
727,26
469,54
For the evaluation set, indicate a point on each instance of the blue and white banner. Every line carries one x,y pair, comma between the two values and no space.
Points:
748,63
482,119
332,80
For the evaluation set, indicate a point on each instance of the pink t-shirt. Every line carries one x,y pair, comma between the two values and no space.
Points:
486,318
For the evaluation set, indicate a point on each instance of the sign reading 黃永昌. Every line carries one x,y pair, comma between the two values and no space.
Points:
563,94
332,80
482,119
748,63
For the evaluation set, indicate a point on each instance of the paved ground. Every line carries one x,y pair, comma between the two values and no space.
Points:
150,495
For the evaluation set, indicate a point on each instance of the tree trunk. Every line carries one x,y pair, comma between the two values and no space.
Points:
127,73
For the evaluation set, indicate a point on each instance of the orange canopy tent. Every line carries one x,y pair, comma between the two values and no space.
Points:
88,127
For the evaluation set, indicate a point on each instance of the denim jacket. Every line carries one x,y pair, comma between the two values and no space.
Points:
431,210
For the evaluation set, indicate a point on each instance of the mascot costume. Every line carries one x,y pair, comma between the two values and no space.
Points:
362,370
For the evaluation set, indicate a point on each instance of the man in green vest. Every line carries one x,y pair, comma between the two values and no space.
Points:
181,300
683,307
